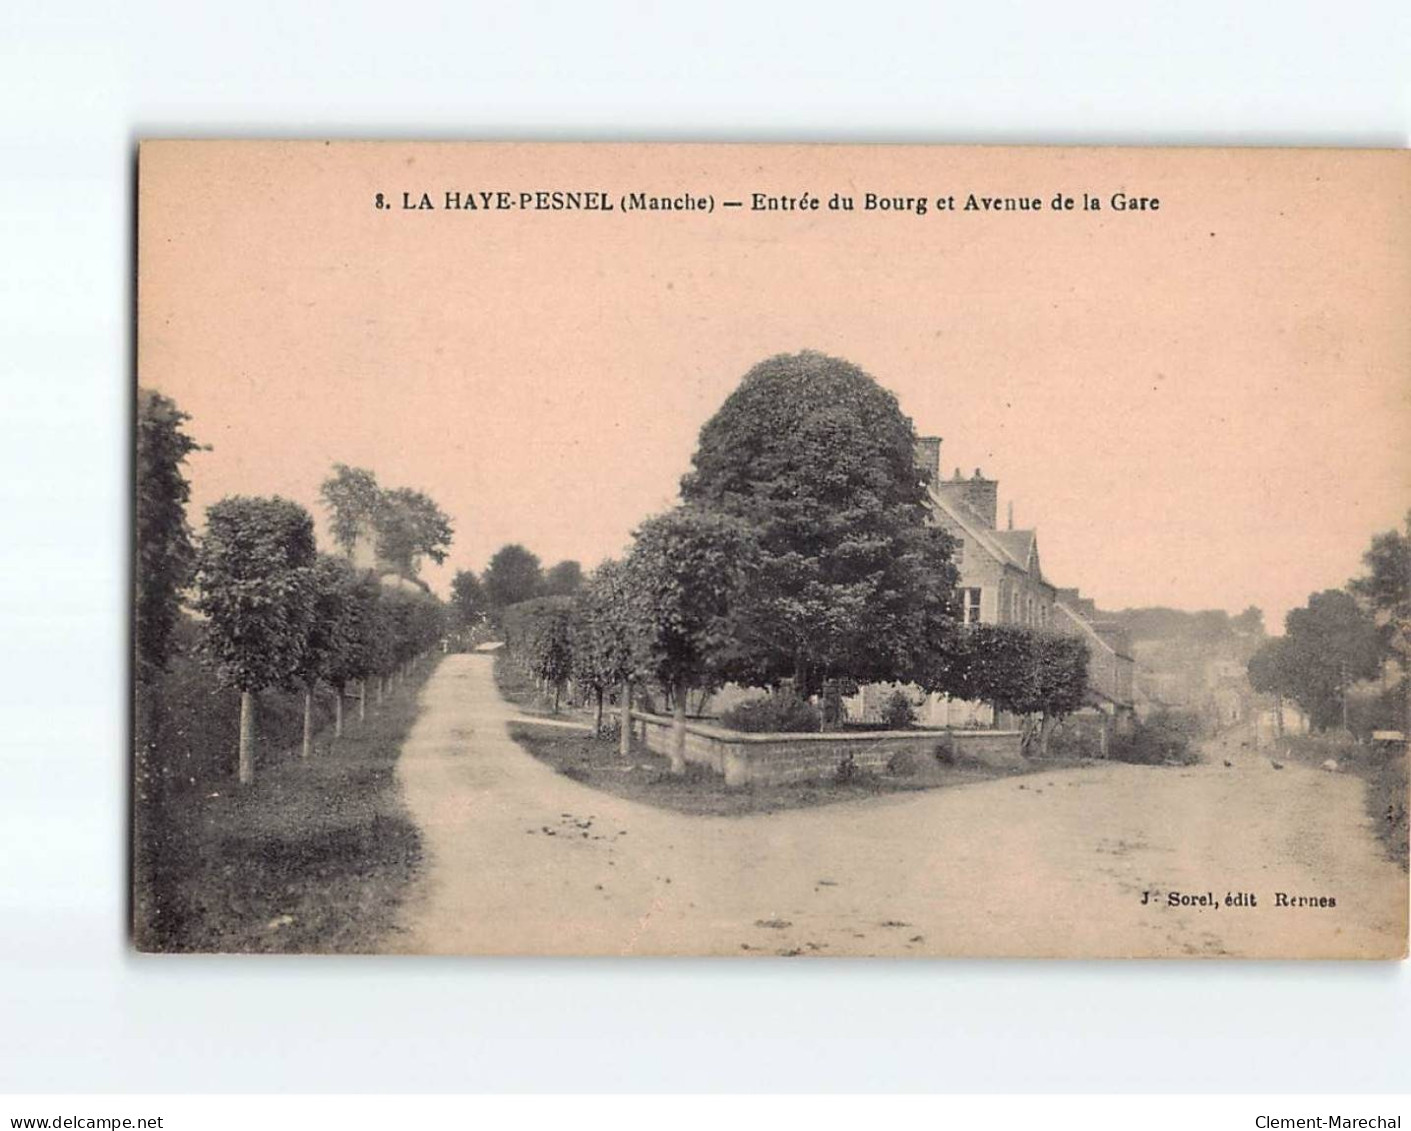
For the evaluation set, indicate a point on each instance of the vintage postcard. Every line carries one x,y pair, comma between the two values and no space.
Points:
767,550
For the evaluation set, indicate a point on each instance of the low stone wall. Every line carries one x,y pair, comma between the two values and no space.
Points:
776,759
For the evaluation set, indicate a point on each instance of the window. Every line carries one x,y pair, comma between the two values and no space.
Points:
970,606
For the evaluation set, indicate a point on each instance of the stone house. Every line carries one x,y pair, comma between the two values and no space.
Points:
1002,582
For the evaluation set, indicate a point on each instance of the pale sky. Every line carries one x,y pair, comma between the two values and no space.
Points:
1206,406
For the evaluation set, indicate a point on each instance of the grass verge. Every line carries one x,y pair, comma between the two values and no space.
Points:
1383,771
316,856
646,777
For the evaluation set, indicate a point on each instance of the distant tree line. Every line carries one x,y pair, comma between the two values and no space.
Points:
1208,626
513,576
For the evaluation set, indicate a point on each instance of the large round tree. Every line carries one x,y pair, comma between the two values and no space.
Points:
853,582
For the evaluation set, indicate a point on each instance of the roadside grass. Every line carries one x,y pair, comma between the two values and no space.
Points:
316,856
1383,771
645,776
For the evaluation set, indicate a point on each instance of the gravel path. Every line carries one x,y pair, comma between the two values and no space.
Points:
522,860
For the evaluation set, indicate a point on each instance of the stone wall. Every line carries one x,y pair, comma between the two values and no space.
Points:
776,759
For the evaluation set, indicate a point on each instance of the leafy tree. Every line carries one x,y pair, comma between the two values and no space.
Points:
256,592
165,554
819,460
413,623
512,576
1039,675
405,525
469,603
389,619
687,574
604,643
1271,673
1386,590
539,633
1386,586
1061,680
353,499
333,640
564,580
429,623
410,526
362,650
1327,645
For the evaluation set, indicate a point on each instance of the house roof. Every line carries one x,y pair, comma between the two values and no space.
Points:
1020,545
1089,630
1011,547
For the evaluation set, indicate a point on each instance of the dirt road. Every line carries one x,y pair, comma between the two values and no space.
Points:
522,860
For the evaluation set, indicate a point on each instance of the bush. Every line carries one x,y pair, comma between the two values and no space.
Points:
899,712
784,713
1168,736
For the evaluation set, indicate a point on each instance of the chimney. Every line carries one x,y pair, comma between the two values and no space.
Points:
928,457
1011,514
978,495
981,495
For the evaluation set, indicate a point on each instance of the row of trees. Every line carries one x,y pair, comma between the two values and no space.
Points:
274,612
1342,637
279,614
802,553
663,616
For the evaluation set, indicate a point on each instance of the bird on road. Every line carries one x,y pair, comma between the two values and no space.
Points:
1228,764
1276,765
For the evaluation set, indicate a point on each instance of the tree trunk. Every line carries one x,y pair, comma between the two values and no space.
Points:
1045,731
1027,733
247,738
558,690
362,700
1342,687
378,700
678,730
1279,715
624,734
598,713
306,748
338,712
